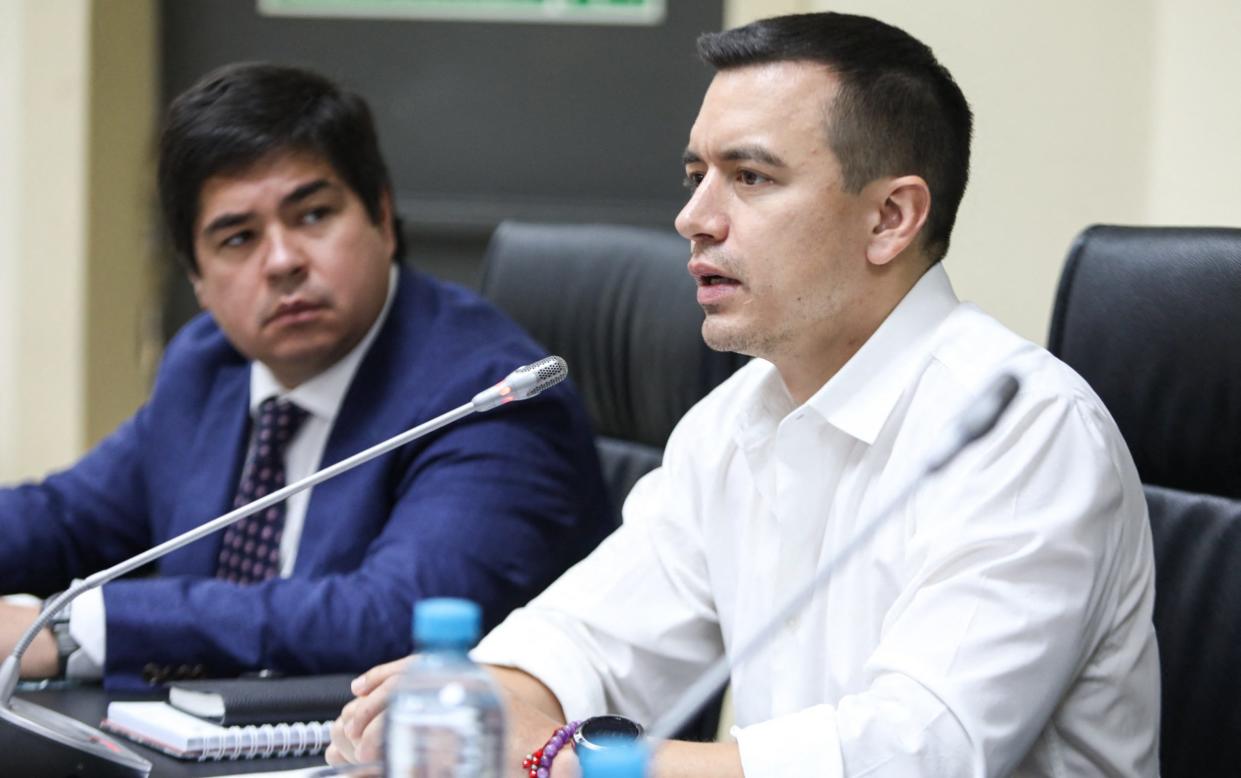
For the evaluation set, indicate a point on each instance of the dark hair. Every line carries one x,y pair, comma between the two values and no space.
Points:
239,114
897,111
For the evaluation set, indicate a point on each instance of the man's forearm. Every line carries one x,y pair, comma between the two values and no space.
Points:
530,690
677,759
674,759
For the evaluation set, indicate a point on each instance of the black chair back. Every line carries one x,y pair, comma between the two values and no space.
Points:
617,303
1151,318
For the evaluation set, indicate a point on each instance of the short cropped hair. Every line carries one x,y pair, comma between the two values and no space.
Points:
898,111
239,114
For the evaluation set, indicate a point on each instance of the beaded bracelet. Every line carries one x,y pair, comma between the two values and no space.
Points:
539,763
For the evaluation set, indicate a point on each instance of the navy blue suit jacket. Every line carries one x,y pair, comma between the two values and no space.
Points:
492,508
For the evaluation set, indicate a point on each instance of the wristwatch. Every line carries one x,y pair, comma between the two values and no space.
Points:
65,644
600,732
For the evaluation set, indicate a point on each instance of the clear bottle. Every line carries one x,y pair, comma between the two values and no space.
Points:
445,719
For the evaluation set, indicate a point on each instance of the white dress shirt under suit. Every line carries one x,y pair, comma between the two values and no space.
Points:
321,396
999,624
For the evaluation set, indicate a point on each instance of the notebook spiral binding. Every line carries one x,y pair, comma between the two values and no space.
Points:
268,740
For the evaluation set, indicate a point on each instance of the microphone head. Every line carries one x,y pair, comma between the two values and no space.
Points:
979,416
529,380
523,383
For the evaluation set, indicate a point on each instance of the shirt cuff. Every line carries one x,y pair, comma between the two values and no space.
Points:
86,627
787,745
550,655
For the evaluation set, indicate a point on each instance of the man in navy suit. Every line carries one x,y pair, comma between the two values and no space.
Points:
280,205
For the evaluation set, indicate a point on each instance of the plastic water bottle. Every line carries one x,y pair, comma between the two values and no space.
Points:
622,759
445,719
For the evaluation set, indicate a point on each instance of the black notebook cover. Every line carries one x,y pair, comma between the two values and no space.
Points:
263,700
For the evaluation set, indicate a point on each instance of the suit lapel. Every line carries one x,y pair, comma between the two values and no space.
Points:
213,466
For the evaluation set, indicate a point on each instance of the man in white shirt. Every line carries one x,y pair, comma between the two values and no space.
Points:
1000,622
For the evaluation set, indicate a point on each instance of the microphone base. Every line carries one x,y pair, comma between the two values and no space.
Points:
37,741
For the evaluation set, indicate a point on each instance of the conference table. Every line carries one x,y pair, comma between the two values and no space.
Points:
89,704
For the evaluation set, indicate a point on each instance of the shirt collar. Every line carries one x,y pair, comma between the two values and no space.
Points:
863,393
323,394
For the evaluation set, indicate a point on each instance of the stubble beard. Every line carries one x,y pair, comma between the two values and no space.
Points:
736,338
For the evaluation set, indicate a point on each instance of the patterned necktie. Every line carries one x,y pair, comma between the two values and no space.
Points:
251,548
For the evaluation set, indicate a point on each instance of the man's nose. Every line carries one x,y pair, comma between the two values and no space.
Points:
285,255
703,219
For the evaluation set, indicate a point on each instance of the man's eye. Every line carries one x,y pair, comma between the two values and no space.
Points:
691,181
236,239
750,178
315,215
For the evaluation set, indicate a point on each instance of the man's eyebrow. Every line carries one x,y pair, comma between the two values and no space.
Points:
304,191
226,221
753,153
750,153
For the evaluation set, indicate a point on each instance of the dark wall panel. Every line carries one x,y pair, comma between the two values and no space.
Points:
486,121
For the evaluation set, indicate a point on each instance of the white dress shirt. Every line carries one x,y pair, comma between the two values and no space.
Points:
321,396
999,624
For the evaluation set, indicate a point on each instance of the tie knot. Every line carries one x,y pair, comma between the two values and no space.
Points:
278,421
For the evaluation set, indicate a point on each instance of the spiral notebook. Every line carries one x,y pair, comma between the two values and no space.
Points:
160,726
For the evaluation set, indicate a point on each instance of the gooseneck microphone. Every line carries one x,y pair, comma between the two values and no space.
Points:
522,383
38,741
978,418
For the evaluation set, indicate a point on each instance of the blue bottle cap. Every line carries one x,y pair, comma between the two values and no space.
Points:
618,759
447,621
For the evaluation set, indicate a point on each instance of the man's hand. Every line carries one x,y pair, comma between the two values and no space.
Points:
532,712
357,736
41,660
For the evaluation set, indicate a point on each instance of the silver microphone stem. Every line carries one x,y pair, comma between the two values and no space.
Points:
10,671
973,424
718,673
43,742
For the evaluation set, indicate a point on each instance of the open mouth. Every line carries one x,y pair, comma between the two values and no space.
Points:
716,280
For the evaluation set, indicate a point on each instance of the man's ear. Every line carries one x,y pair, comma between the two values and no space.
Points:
196,281
903,205
387,220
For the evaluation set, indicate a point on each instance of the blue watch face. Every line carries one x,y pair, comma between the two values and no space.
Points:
597,732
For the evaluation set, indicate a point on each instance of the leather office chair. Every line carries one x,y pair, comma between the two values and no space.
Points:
1151,318
617,303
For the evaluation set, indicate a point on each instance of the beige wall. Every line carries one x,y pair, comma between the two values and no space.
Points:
78,75
1108,111
1196,154
44,252
122,334
10,21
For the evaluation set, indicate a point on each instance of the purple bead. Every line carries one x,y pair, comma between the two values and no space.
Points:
544,772
552,750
